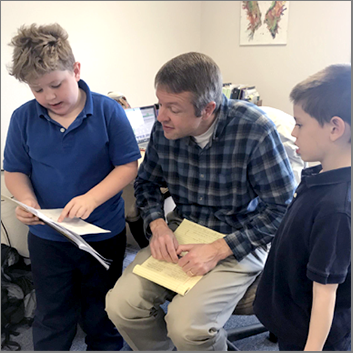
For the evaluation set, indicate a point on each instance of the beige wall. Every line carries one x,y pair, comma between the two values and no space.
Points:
121,44
319,34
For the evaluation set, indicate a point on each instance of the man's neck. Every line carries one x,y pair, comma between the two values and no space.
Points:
208,123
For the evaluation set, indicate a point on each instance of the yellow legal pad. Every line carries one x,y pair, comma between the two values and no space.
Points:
170,275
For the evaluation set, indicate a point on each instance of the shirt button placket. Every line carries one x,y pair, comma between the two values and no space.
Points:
202,177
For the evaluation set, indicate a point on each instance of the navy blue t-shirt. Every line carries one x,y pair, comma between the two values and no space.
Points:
64,163
313,243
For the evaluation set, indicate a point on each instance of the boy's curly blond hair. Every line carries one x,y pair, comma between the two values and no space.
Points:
39,50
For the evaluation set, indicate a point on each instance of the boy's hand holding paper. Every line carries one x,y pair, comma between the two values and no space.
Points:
27,217
72,229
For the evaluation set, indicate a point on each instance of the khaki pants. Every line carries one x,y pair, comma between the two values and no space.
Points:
194,322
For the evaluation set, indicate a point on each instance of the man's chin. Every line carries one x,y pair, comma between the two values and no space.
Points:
170,136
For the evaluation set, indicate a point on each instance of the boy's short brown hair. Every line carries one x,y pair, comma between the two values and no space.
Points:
326,94
39,50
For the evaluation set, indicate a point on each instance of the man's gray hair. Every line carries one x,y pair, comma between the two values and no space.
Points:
192,72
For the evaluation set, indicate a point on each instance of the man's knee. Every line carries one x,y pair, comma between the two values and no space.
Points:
112,305
191,337
118,304
186,328
126,301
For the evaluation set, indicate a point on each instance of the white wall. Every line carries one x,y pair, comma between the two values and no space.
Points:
121,44
319,34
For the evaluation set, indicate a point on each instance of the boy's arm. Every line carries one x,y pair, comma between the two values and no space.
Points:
83,205
21,188
324,298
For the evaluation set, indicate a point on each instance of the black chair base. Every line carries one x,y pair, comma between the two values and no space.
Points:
243,332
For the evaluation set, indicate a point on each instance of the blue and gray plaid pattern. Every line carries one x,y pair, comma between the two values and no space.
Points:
240,184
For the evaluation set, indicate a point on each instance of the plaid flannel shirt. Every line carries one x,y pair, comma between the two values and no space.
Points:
240,184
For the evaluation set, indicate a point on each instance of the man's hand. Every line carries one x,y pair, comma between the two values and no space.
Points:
26,217
202,258
80,206
163,243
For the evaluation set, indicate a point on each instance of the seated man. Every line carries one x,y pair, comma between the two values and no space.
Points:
225,167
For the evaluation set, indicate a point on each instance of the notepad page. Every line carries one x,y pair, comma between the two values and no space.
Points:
192,233
166,274
171,275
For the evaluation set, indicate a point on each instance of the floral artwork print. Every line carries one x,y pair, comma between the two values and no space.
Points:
264,22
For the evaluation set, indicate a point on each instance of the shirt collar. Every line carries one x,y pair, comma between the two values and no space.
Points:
87,110
313,177
221,114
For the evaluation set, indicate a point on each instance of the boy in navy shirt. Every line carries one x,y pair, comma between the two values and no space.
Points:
74,149
304,296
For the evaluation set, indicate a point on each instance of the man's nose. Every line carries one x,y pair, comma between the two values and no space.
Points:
162,115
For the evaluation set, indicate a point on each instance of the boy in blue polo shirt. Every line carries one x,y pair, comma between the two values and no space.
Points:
304,296
74,149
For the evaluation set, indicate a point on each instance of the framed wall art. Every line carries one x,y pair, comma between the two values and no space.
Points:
263,22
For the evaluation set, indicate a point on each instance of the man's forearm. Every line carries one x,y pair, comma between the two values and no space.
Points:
256,233
222,249
160,222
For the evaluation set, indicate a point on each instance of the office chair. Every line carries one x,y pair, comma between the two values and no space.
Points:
135,222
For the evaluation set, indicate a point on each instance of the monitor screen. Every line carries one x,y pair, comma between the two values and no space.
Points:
142,120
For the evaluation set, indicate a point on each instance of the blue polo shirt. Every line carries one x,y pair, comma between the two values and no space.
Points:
64,163
313,243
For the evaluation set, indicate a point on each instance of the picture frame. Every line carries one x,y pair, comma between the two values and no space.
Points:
264,22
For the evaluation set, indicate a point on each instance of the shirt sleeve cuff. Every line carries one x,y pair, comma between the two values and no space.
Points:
150,217
237,243
325,279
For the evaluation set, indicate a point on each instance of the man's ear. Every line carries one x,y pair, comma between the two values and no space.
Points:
338,127
209,109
